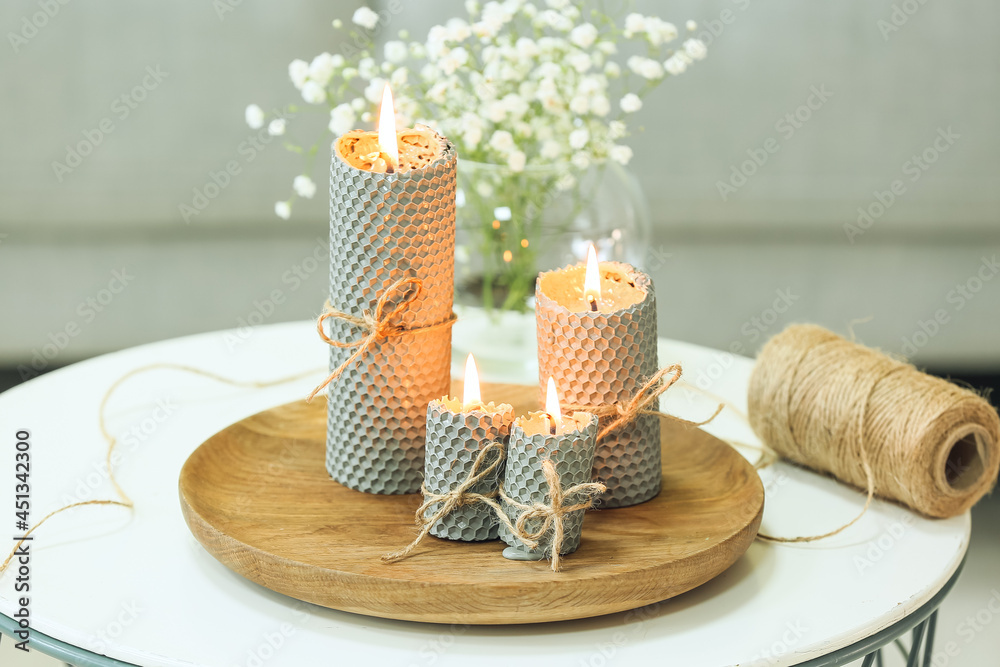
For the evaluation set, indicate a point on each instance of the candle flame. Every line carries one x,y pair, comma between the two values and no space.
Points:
552,404
387,131
592,280
471,394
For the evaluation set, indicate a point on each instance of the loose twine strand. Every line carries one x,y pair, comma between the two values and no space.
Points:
377,324
123,498
768,456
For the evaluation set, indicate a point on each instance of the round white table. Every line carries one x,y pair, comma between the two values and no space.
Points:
110,586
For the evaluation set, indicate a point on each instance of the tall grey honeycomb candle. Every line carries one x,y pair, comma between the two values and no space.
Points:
456,431
600,346
385,227
571,450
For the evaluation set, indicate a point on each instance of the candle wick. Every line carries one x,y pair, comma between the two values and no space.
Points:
552,423
593,303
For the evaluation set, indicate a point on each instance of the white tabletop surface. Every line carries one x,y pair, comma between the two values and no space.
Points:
138,587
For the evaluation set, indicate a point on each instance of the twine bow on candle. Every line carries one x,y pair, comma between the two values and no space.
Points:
651,391
551,514
377,324
456,497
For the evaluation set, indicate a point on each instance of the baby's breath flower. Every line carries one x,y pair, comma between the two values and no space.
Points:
579,104
659,31
583,35
502,140
691,25
321,69
675,64
283,210
276,127
304,186
600,105
395,51
298,72
254,116
580,61
366,18
551,149
338,24
313,93
613,70
634,24
342,118
620,153
374,89
630,103
696,49
367,68
647,68
517,160
578,138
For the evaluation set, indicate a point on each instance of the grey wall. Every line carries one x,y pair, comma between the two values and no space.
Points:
717,262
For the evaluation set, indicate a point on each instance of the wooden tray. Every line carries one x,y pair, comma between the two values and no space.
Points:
258,497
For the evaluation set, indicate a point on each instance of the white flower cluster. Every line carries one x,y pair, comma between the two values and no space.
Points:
514,83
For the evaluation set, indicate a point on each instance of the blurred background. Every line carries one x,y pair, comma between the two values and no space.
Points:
880,202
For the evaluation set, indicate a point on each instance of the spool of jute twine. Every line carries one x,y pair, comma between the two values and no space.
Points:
874,422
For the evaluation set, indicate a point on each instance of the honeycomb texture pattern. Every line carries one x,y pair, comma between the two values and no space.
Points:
453,443
524,481
604,358
384,227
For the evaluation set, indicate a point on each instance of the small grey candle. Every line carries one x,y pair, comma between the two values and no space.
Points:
571,450
601,347
456,431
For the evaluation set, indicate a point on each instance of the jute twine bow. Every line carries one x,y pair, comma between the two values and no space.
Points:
377,324
553,513
456,497
640,403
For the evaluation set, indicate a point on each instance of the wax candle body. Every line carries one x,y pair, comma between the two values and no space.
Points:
384,227
571,449
455,434
602,358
